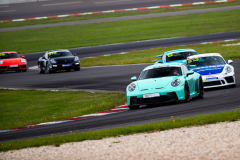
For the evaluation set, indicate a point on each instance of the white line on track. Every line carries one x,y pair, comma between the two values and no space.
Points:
8,11
56,4
112,1
3,6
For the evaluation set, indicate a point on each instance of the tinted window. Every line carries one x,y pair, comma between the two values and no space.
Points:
179,56
59,54
160,72
9,55
205,61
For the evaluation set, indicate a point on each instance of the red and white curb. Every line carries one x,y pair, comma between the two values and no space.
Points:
120,10
118,109
229,40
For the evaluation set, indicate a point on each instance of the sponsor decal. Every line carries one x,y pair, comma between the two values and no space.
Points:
211,78
211,69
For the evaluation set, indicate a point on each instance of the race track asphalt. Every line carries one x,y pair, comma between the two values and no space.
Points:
93,51
114,78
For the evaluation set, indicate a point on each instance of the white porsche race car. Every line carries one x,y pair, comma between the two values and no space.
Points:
213,68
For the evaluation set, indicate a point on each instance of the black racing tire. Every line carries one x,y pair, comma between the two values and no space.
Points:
24,70
68,70
133,107
186,93
48,69
77,69
18,70
40,69
201,89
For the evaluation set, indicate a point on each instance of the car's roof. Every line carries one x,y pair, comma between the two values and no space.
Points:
204,55
58,50
8,52
162,65
180,50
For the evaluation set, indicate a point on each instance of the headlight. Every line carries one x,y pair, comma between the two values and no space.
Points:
23,60
76,58
176,82
131,87
1,62
53,61
228,69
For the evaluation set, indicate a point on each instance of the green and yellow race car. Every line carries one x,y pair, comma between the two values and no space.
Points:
161,83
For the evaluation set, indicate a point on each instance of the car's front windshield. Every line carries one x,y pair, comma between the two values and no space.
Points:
159,72
179,56
59,54
206,61
9,55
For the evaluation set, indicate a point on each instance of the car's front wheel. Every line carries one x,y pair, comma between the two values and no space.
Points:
24,70
201,89
187,92
18,70
77,69
40,70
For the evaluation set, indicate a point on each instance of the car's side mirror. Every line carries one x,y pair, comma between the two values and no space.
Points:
43,57
160,61
22,56
74,54
189,72
230,61
134,78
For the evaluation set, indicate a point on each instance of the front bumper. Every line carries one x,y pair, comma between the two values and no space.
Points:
55,67
8,68
170,94
219,82
170,97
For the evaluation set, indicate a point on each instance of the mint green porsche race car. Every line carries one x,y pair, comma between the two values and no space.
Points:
162,83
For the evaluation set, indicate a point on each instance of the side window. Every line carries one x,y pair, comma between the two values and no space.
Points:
185,69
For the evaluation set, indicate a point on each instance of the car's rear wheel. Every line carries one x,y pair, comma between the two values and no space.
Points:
186,92
201,89
40,70
133,107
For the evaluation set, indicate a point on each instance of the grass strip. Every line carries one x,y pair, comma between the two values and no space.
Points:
96,135
117,14
149,56
17,109
34,40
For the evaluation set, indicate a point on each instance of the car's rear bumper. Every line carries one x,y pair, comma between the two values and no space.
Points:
8,68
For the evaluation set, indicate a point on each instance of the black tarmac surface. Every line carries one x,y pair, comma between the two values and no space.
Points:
62,7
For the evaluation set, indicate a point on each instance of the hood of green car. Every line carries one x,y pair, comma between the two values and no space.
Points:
154,83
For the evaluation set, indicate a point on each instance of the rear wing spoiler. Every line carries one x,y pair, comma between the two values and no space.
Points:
159,56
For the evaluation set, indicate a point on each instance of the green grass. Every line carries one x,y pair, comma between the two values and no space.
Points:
149,55
117,14
20,108
96,135
28,41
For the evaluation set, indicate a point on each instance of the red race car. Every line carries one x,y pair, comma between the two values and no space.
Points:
12,61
